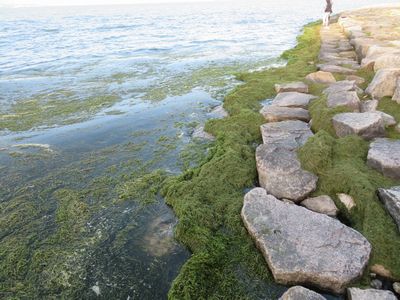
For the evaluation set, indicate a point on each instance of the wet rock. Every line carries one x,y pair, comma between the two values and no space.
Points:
336,69
384,83
321,77
381,271
376,284
201,134
347,99
347,200
341,86
293,99
359,80
301,293
396,287
286,134
384,156
275,113
280,173
391,200
369,105
321,204
368,125
299,87
369,294
304,247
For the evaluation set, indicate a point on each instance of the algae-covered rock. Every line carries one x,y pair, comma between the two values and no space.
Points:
384,156
301,293
368,125
304,247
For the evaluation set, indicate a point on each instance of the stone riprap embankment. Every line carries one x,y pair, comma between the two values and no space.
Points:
299,235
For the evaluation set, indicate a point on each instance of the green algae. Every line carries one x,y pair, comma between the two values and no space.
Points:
52,109
208,199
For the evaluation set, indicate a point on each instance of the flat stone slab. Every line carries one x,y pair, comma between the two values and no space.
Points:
280,173
341,86
321,204
301,293
384,83
300,87
391,200
276,113
369,294
336,69
368,125
286,134
321,77
384,156
293,99
347,99
304,247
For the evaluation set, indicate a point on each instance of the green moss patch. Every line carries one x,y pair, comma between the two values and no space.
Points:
392,108
207,200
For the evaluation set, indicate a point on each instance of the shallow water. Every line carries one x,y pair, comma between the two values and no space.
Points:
92,100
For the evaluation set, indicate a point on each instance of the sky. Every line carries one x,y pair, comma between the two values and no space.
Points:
85,2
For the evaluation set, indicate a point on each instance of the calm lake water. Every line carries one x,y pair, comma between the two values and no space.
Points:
97,107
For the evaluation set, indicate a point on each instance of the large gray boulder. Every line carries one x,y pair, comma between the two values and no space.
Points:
384,83
293,99
384,156
280,173
301,293
391,200
276,113
347,99
369,294
300,87
321,77
286,134
321,204
389,60
304,247
368,125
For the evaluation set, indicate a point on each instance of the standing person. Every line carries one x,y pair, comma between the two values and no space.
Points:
328,11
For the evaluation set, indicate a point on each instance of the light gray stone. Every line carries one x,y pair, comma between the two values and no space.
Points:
220,111
369,294
359,80
391,200
301,293
293,99
321,204
376,284
276,113
201,134
347,201
368,125
286,134
336,69
369,105
321,77
280,173
304,247
347,99
396,95
341,86
396,287
300,87
384,83
389,60
388,120
384,155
